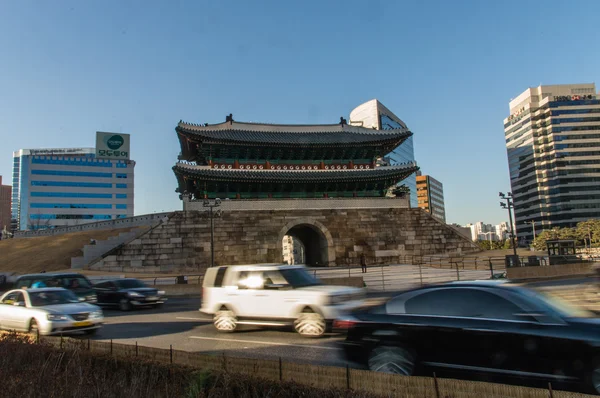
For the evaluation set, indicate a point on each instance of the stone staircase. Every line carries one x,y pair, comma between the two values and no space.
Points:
93,252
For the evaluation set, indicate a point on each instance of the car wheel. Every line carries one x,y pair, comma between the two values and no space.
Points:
395,360
310,324
125,305
593,379
33,326
225,320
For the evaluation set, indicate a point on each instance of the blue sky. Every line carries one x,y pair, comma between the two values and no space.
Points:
448,69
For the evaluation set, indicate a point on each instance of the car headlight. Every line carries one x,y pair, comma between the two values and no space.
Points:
96,314
161,292
134,294
57,317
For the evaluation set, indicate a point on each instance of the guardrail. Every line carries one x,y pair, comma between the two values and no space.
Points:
135,221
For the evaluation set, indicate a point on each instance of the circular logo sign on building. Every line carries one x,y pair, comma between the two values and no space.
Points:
115,142
112,145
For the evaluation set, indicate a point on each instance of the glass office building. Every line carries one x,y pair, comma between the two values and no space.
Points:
430,193
68,186
553,147
373,114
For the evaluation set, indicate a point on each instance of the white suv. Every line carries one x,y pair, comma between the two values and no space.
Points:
274,295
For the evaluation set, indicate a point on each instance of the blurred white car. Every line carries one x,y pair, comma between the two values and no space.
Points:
274,295
49,310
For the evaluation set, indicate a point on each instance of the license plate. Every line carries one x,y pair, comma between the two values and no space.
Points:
82,323
152,298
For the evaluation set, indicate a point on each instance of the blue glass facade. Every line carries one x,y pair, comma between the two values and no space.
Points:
404,153
52,188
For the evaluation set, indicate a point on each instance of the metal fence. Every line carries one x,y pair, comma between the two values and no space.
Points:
413,271
404,276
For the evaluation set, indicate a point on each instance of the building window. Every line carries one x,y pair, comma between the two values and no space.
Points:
121,196
121,175
70,206
71,195
70,216
121,206
70,162
71,184
71,173
120,185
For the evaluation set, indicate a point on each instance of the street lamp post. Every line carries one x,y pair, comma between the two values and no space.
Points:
532,222
509,205
210,204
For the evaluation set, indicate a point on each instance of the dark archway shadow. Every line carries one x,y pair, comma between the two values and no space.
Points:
314,242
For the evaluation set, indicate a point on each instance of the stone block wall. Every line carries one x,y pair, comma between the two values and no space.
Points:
248,237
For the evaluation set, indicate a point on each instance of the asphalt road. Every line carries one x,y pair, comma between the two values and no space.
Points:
179,323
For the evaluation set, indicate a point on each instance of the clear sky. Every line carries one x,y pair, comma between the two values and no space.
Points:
447,68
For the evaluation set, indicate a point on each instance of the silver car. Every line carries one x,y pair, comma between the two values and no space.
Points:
50,310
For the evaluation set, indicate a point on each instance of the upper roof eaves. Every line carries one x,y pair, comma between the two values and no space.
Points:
284,128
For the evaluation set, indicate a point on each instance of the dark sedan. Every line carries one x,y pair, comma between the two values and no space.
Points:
127,293
488,330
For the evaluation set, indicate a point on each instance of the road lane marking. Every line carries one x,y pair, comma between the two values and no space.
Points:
265,343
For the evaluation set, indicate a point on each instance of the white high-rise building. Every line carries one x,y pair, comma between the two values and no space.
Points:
553,145
69,186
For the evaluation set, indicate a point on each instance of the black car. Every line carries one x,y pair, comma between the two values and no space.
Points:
490,330
77,283
127,293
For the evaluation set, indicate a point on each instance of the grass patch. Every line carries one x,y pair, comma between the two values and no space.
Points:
49,253
31,370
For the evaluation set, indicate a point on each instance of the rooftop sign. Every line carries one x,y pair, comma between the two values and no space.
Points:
112,145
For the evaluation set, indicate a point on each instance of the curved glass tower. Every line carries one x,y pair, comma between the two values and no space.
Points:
373,114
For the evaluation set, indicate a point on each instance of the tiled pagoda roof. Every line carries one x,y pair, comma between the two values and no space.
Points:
289,176
282,134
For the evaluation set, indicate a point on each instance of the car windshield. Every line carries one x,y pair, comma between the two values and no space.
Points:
130,284
561,306
40,299
299,277
75,282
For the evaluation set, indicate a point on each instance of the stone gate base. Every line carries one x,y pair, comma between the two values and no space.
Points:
250,235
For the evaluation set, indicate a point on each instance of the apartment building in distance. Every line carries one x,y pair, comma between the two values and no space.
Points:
430,196
69,186
553,145
5,196
482,231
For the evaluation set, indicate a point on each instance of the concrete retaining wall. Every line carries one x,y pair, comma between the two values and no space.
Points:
550,271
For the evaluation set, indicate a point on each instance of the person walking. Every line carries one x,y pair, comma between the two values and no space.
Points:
363,263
